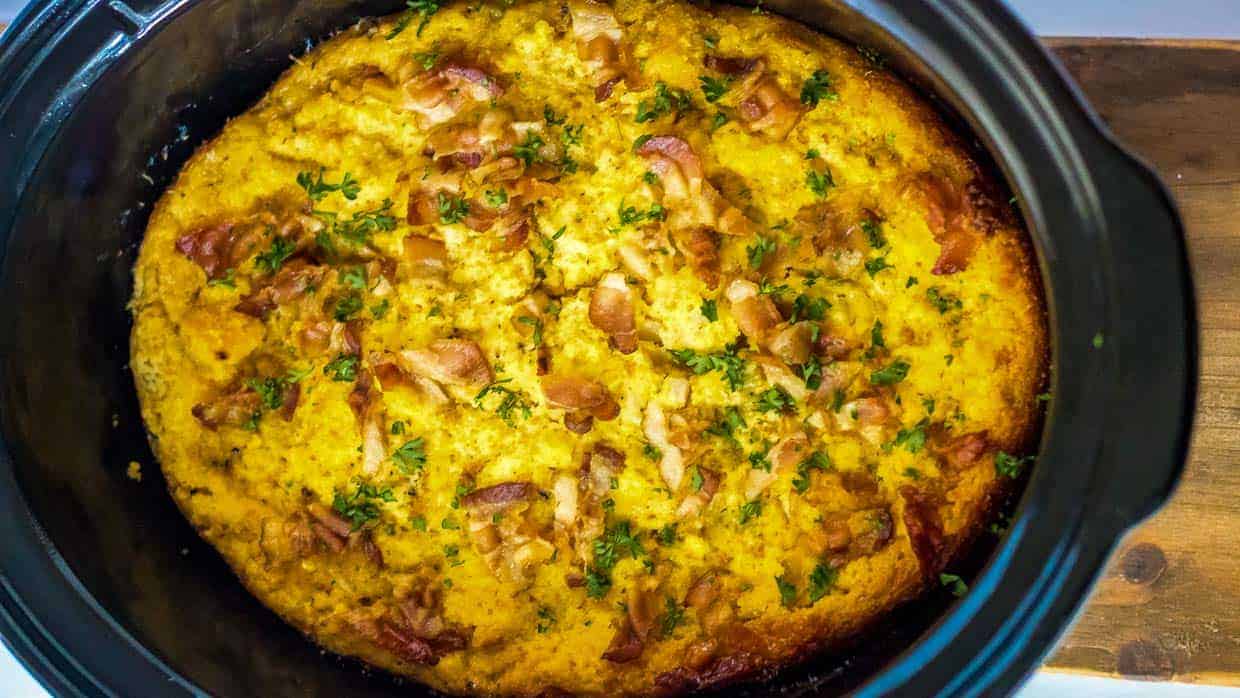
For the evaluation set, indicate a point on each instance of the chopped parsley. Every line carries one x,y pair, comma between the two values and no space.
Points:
316,189
343,368
651,452
713,88
954,584
426,59
912,281
807,307
546,619
673,616
597,584
629,215
718,120
758,459
512,400
411,457
423,10
758,251
358,228
696,481
527,150
418,523
816,88
818,460
774,400
893,373
912,439
452,209
380,309
347,306
537,336
728,363
1098,340
353,277
666,100
1008,465
728,426
787,591
750,511
873,233
819,182
274,258
873,266
609,548
820,581
360,508
666,535
767,288
710,310
942,301
496,198
811,373
551,118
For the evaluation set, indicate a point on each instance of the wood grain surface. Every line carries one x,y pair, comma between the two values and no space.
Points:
1168,607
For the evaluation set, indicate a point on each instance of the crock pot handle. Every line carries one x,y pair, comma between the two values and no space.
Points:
1149,338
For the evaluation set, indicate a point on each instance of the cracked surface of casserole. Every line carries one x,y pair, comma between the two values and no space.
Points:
585,348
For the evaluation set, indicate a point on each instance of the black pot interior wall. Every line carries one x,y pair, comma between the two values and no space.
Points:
71,415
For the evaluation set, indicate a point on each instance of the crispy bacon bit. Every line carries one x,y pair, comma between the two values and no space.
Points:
764,106
695,201
963,451
234,409
209,248
401,642
783,456
695,502
427,257
957,218
626,645
831,347
292,395
876,533
755,313
611,310
672,462
868,416
450,361
294,279
643,608
507,543
635,261
925,531
581,395
440,94
792,344
600,45
733,67
579,513
778,373
704,591
701,250
329,527
422,613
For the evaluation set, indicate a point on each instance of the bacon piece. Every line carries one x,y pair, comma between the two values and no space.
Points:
626,645
962,451
701,250
704,591
426,256
233,409
579,513
695,502
580,395
877,533
832,347
733,67
401,642
925,531
777,373
439,94
869,416
209,247
329,527
755,313
783,456
763,105
450,361
672,462
600,45
422,613
505,542
292,395
957,217
792,343
611,310
695,201
293,280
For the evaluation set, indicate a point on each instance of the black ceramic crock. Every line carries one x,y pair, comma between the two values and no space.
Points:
106,590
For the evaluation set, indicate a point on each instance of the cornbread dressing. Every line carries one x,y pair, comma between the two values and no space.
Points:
587,349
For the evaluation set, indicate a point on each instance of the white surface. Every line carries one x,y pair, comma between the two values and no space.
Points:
1165,18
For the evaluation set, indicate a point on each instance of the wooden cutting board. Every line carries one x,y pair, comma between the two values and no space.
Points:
1168,606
